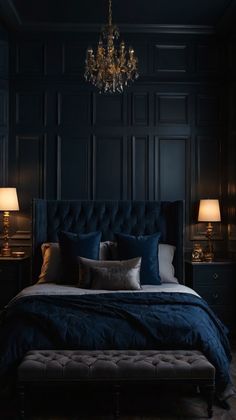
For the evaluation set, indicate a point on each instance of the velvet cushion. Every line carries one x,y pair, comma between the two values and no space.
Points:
72,246
109,275
141,246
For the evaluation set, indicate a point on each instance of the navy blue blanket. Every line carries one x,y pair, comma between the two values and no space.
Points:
114,321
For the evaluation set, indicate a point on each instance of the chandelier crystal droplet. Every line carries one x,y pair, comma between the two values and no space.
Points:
110,68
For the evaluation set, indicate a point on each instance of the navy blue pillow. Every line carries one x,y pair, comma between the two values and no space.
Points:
74,245
141,246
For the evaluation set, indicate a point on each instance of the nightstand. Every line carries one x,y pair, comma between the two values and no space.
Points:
14,276
216,283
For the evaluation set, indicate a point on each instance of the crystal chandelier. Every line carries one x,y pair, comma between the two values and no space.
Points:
110,68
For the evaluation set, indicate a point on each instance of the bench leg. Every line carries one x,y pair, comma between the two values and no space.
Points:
116,393
208,391
21,398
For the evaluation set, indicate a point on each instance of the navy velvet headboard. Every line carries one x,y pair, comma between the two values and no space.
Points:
134,217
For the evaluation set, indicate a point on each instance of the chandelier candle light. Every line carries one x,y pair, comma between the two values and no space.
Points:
110,69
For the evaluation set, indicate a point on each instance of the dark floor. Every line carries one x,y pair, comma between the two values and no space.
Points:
162,404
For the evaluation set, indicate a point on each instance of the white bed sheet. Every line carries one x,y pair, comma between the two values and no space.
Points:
59,290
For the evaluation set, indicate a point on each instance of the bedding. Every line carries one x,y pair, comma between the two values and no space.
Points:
164,316
144,319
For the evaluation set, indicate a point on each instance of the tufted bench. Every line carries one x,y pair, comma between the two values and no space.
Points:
115,368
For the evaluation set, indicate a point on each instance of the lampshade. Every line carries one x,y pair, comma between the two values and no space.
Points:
8,199
209,211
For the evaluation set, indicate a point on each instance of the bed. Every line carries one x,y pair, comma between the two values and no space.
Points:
162,316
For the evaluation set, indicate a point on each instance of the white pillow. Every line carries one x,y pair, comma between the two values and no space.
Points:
166,269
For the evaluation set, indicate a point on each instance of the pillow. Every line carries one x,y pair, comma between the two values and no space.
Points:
110,275
165,259
51,270
166,269
141,246
73,245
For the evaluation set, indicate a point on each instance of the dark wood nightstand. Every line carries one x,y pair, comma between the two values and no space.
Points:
14,276
216,283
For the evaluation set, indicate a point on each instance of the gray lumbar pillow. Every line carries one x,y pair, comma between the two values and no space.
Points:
109,275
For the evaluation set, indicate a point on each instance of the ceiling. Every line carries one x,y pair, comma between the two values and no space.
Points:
48,13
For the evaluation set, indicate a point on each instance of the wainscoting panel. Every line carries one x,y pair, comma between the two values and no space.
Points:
109,109
73,168
110,170
140,109
173,177
30,58
2,160
31,175
170,58
74,109
171,109
31,108
142,153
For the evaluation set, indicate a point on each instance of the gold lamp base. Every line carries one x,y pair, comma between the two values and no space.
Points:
209,254
6,250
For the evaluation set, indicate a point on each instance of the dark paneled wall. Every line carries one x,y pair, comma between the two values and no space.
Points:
232,146
164,138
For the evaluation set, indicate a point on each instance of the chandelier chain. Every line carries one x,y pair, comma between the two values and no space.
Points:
110,13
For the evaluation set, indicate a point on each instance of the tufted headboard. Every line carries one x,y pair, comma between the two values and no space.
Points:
133,217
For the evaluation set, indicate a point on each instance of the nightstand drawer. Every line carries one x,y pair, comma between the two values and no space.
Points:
216,295
212,276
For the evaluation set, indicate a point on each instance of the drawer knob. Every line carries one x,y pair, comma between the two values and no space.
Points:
215,276
215,295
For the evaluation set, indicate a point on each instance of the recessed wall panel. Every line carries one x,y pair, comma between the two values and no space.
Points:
109,109
140,109
30,152
74,109
173,168
171,109
74,168
30,108
170,58
30,58
109,167
2,160
3,108
140,165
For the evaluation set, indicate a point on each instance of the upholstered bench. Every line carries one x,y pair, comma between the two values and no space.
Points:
115,368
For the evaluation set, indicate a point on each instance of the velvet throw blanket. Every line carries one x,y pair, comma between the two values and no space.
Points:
114,321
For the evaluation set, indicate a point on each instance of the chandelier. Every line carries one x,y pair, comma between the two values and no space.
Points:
110,68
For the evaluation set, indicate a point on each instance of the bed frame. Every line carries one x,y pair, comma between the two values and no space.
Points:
109,217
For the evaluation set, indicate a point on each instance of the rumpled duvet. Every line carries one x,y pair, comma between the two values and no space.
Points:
114,321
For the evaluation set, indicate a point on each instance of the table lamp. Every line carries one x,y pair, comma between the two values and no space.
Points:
209,211
8,202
